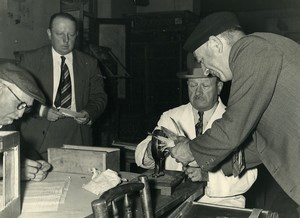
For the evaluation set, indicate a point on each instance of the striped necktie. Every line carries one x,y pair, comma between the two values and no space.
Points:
63,96
199,125
238,162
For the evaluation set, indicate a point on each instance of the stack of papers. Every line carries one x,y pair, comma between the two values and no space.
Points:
44,196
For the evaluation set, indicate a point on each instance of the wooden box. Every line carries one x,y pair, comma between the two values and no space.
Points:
10,173
80,159
192,209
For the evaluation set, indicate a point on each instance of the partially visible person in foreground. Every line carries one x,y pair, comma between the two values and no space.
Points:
18,90
264,100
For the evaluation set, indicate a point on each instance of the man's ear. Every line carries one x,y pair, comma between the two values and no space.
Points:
49,34
220,86
215,43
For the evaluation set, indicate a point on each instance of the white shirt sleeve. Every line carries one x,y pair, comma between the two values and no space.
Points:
141,148
220,185
140,152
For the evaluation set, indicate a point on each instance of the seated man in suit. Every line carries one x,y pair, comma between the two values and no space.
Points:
18,90
204,108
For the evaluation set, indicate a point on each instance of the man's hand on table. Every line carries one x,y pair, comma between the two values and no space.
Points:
181,151
34,170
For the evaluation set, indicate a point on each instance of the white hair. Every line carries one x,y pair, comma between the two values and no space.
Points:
232,35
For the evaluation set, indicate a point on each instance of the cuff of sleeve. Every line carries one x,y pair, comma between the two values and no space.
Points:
227,168
43,111
204,175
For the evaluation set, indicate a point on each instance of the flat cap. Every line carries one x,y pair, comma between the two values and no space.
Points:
194,69
211,25
22,79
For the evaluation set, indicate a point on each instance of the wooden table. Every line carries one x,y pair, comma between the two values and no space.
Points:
162,204
78,200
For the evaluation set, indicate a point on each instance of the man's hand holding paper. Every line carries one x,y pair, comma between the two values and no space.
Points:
52,114
81,117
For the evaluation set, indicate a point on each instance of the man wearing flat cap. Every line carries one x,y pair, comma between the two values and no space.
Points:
263,104
18,90
204,107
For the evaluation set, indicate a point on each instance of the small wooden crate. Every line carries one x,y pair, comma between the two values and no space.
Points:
192,209
10,167
79,159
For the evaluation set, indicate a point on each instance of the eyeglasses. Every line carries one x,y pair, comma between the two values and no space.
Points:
22,104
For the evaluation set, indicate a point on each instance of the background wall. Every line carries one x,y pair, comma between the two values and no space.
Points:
117,8
277,16
24,23
167,5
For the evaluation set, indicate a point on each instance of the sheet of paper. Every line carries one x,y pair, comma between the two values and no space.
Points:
70,113
44,196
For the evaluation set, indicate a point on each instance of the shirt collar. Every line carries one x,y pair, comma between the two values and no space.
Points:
57,56
207,114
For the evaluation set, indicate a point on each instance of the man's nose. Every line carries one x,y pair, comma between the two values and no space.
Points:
66,38
199,90
205,69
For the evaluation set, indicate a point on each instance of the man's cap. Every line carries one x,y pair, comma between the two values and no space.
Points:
194,69
211,25
22,79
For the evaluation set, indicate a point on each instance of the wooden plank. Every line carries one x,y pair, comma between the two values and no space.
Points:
197,209
90,148
10,184
8,139
167,183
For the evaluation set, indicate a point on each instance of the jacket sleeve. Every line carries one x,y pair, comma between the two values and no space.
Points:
251,158
255,66
97,99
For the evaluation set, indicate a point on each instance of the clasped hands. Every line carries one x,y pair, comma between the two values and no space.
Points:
180,151
179,148
54,114
34,170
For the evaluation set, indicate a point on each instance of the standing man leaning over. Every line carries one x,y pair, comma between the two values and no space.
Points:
18,90
264,101
70,79
204,108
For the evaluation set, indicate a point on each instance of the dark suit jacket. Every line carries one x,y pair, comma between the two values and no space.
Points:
89,96
264,103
